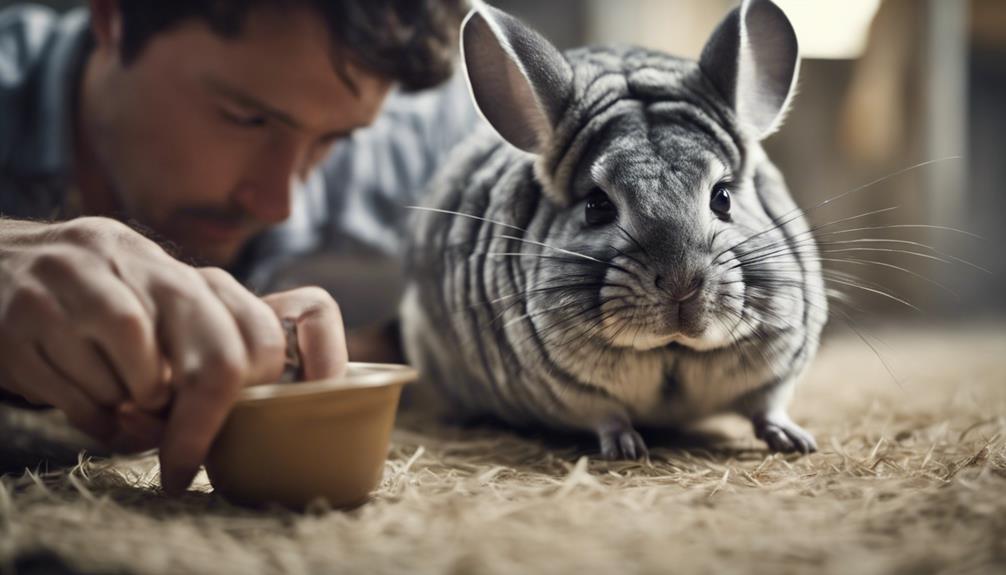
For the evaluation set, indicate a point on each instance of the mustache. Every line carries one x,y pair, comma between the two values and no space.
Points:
224,216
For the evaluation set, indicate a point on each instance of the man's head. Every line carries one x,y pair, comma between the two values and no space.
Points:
200,114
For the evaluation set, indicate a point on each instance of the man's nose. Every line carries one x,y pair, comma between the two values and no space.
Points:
266,192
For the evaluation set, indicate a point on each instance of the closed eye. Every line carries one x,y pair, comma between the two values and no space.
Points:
244,120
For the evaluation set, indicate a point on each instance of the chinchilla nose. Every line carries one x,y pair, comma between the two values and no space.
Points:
680,289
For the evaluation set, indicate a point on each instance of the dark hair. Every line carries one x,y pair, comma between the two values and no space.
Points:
411,42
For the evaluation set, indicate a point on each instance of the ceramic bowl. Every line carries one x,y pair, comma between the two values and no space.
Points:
292,443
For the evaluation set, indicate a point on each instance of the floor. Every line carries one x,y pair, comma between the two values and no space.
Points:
911,478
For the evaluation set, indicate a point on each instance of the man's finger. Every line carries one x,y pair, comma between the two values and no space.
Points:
82,362
108,312
33,371
138,430
201,405
321,336
259,326
208,367
322,341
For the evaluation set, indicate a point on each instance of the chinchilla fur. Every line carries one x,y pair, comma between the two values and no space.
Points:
614,249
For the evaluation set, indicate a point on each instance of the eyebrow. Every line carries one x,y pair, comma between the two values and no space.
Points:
249,101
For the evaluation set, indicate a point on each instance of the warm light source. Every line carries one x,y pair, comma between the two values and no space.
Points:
826,28
830,29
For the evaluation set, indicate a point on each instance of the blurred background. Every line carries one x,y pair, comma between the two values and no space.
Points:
908,96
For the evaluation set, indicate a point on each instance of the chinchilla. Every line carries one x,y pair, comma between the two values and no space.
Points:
613,248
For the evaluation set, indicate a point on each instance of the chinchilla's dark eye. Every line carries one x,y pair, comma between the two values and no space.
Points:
599,209
720,202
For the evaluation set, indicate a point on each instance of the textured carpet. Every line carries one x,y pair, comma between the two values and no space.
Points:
911,478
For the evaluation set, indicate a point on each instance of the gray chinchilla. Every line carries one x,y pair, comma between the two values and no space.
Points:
614,249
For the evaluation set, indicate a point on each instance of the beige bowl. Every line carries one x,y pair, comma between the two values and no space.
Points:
291,443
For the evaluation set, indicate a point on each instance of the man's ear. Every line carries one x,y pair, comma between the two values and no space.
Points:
106,24
753,59
520,82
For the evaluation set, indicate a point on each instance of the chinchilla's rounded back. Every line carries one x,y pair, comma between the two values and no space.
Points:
617,247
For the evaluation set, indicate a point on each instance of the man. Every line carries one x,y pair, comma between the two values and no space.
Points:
191,121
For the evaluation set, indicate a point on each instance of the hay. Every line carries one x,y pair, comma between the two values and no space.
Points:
911,478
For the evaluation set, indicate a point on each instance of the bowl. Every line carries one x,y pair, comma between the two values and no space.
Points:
293,443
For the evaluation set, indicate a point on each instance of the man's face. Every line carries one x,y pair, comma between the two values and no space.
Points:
202,136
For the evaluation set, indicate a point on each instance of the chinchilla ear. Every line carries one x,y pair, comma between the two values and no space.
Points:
519,81
753,59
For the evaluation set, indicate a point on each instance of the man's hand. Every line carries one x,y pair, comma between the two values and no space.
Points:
321,338
101,323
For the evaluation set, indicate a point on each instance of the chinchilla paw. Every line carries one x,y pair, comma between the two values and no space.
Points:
621,442
782,435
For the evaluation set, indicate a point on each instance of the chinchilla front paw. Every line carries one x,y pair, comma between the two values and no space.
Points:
782,435
620,441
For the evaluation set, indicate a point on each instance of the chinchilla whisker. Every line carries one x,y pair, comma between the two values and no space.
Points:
912,273
855,282
767,319
848,277
551,257
635,333
551,291
807,235
624,325
529,315
907,226
550,334
744,351
942,257
735,345
571,287
558,249
890,251
797,212
881,241
910,243
852,325
466,244
633,239
883,179
598,326
628,257
557,287
770,280
545,330
833,294
562,292
464,215
839,297
876,291
774,316
456,246
755,333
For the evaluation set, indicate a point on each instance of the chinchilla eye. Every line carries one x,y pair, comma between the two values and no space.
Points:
720,202
599,209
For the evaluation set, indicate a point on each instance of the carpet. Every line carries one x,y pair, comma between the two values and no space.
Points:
911,478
